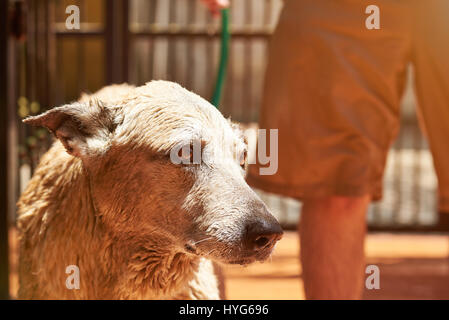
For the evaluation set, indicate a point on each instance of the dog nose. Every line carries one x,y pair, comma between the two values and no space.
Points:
261,234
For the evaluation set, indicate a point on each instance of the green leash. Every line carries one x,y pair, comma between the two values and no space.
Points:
224,50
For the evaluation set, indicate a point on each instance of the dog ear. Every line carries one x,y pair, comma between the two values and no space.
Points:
83,128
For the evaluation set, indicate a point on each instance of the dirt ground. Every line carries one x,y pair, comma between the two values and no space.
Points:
412,266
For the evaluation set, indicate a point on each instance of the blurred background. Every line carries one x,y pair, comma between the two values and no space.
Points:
135,41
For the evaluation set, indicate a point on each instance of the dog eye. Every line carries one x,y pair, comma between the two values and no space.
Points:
243,156
191,153
186,154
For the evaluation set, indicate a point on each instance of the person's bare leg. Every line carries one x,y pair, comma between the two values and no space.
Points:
332,232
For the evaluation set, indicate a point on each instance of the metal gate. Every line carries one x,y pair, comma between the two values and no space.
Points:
139,40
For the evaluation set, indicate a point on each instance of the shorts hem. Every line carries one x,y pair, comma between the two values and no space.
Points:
373,189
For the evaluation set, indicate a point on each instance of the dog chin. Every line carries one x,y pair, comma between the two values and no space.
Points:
241,258
245,260
242,262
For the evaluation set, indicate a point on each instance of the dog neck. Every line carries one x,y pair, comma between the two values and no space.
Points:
155,273
117,268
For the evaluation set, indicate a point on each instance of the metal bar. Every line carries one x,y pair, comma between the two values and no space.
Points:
190,47
152,19
246,108
28,54
109,36
76,34
46,35
209,51
196,34
171,33
117,31
4,190
53,98
171,59
117,40
125,41
80,61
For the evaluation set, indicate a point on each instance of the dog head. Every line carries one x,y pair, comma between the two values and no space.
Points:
164,165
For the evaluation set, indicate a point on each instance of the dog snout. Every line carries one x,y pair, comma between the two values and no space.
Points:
262,234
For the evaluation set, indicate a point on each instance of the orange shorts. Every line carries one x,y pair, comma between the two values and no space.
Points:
333,90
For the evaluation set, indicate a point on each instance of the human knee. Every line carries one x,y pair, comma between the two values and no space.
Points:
339,203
